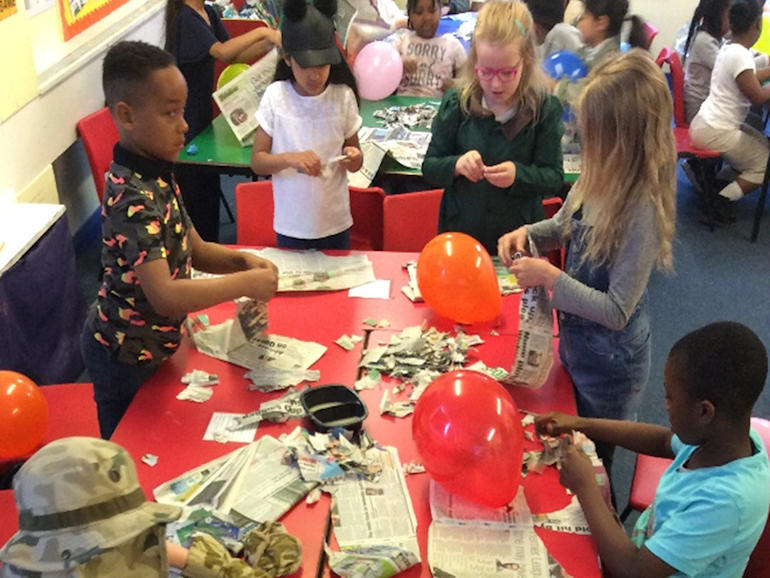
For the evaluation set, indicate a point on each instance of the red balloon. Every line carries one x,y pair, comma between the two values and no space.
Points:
457,279
468,431
23,415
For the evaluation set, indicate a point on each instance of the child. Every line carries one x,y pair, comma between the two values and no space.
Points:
616,224
709,25
735,86
711,504
553,34
196,37
308,132
82,513
149,244
496,144
430,61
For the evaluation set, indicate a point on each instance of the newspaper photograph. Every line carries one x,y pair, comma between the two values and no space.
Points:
239,99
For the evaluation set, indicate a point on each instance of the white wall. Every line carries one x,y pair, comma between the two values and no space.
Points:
666,15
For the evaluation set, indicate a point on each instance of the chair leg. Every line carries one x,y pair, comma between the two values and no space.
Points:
704,170
760,209
227,206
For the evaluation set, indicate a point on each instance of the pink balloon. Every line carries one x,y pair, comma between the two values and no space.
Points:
378,70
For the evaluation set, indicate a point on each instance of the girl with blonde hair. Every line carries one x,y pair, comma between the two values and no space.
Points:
496,145
617,223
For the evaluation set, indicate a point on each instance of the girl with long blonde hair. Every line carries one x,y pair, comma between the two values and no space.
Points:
617,224
496,145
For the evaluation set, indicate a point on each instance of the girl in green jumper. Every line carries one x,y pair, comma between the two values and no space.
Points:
496,145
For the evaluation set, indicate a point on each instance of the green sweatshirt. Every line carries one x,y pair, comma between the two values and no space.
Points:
480,209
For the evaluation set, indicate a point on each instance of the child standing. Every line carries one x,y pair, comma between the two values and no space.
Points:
709,24
553,34
735,86
430,61
149,243
616,224
496,144
711,504
308,132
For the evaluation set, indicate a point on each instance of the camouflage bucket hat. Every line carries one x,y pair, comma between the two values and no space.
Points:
78,497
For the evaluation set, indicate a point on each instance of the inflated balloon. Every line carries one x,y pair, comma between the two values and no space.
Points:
230,73
565,64
378,70
763,43
457,279
468,431
23,415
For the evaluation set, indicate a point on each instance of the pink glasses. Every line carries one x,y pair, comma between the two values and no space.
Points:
487,73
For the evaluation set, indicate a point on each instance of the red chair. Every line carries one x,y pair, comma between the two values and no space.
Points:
366,206
410,220
9,514
651,32
254,214
551,207
99,135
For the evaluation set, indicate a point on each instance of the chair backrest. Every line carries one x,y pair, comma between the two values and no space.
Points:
254,214
651,32
366,206
551,207
99,135
671,57
410,220
759,562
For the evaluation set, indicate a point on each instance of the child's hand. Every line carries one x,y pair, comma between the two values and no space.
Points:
260,284
410,65
534,272
470,166
275,36
502,175
254,262
577,471
556,423
306,162
510,243
353,159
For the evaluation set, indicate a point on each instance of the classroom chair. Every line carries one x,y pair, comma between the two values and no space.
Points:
9,514
704,162
551,207
366,206
99,135
410,220
651,32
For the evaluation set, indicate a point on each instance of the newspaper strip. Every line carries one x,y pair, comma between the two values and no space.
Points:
239,99
534,345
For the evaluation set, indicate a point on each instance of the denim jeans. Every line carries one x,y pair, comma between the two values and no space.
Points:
338,241
115,383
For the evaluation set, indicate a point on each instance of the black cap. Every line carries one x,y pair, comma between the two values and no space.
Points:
308,34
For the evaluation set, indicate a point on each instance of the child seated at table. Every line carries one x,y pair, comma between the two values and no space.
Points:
430,61
83,514
736,84
711,504
149,244
553,34
496,144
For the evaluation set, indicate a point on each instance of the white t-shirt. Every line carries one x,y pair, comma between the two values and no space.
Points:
438,59
726,107
310,207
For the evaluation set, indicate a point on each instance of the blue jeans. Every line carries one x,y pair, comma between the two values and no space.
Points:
115,383
338,241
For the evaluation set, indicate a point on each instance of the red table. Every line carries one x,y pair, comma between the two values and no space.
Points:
160,424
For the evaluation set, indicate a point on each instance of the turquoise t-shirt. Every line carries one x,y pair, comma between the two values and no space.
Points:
706,522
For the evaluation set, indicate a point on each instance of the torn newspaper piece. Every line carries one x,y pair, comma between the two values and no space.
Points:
370,562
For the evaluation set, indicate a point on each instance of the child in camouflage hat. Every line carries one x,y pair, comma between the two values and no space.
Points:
83,514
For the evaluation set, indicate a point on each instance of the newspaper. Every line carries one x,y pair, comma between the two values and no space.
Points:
255,482
505,279
239,99
470,541
534,346
406,146
373,154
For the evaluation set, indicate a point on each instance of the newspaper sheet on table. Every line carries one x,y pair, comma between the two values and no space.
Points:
239,99
466,540
254,481
315,271
408,147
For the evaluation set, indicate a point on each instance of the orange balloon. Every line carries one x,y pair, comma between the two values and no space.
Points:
457,279
23,415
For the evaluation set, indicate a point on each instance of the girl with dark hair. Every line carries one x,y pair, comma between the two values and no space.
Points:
308,132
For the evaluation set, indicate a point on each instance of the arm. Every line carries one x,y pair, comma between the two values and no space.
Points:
216,258
263,162
749,84
441,158
246,47
547,234
352,150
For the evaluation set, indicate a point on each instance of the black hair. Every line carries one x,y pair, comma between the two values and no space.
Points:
743,14
338,74
615,11
708,17
724,363
411,6
546,13
127,64
172,9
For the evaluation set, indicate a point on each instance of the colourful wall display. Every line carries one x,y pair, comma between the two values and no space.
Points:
77,15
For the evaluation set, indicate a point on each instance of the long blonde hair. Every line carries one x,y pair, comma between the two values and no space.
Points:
629,156
503,23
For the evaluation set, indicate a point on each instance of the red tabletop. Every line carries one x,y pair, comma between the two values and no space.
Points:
159,424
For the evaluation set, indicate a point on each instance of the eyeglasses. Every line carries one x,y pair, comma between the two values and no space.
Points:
487,73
